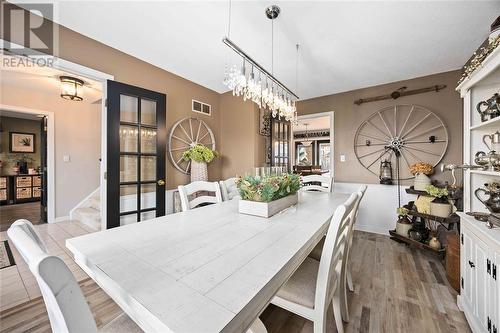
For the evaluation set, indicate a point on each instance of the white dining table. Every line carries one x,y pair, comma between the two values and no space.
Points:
210,269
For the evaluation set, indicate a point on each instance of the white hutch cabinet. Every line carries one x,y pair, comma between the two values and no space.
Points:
480,246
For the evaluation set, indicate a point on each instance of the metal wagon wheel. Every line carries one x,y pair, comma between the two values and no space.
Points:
417,133
187,133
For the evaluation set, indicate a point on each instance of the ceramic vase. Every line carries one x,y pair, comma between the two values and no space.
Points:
199,171
440,209
403,226
434,243
421,181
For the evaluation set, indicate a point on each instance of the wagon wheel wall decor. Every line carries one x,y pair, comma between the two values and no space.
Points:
414,131
187,133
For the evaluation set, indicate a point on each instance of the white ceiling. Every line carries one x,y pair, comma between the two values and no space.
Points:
46,80
343,45
313,124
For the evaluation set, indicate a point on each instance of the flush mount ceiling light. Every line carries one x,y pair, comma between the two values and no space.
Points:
254,82
71,88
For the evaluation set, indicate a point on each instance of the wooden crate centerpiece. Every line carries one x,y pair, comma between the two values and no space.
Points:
265,196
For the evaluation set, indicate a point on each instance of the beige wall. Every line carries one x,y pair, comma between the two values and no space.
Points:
10,124
127,69
77,134
242,147
85,51
447,104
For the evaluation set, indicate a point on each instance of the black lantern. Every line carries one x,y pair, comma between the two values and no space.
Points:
385,172
71,88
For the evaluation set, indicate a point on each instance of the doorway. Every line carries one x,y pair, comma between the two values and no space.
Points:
23,166
313,144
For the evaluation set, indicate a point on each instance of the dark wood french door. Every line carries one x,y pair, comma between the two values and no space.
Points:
136,147
280,143
43,169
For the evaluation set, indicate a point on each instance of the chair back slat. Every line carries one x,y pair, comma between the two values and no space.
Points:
333,250
29,229
186,190
310,183
229,190
66,306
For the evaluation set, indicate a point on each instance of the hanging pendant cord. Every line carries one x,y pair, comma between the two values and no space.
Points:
229,21
297,69
272,47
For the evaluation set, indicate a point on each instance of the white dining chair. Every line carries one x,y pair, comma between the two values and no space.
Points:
67,308
317,183
185,191
315,284
346,275
28,227
228,189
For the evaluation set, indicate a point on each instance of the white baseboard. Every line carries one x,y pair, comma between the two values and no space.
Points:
61,219
374,229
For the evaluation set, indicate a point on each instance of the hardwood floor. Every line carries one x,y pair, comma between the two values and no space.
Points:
11,213
397,289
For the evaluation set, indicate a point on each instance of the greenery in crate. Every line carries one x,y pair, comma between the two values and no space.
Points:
200,153
440,194
269,188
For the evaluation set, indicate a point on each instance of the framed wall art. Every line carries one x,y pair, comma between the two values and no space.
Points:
21,142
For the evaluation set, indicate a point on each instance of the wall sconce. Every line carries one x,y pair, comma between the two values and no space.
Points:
71,88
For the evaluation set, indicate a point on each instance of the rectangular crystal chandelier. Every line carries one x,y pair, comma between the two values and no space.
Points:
255,83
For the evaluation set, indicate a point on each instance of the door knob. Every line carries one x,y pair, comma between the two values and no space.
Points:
161,182
471,264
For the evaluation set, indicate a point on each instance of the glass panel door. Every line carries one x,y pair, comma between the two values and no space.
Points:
280,143
136,154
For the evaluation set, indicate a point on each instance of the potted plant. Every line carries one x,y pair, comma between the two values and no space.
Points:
200,156
440,206
421,171
268,195
403,225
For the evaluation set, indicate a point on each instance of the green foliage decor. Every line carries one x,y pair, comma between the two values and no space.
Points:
402,211
439,194
200,153
266,189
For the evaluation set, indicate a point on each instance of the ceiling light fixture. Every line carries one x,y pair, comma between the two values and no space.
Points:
71,88
255,83
306,142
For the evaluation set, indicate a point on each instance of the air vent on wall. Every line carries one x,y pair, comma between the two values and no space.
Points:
201,107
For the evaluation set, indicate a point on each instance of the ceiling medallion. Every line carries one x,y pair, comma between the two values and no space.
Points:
253,82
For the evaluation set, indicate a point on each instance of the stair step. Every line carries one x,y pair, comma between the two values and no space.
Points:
95,202
89,216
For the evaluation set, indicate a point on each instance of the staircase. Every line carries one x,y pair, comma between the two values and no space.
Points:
89,211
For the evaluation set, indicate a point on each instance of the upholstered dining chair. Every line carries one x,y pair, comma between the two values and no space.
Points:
315,183
198,186
66,306
228,189
315,284
346,275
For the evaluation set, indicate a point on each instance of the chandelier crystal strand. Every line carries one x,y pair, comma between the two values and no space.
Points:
242,81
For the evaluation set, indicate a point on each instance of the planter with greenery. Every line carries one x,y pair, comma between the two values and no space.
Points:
266,196
440,206
200,156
